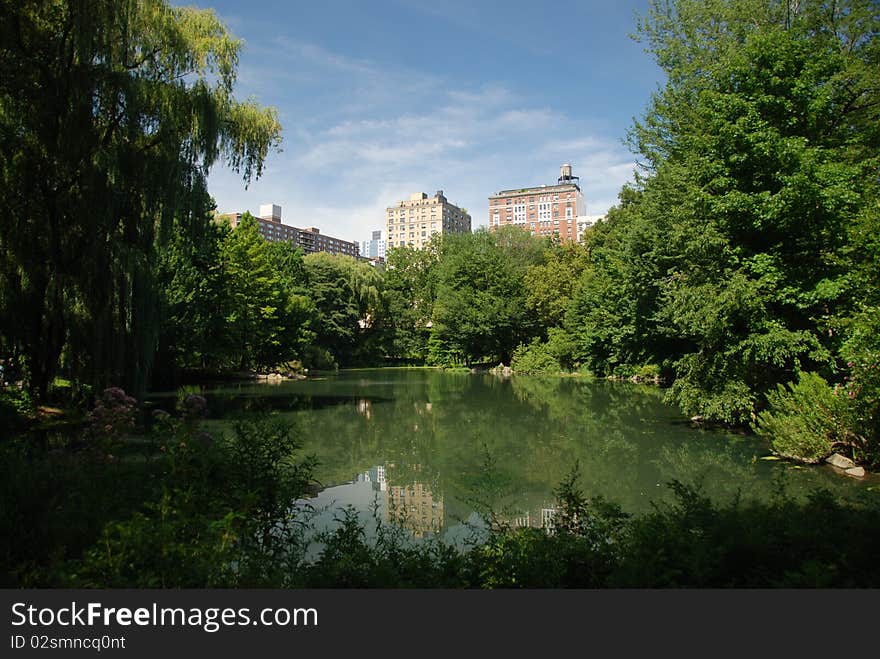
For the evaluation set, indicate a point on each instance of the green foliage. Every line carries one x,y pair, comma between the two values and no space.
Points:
194,293
165,546
16,407
196,534
552,284
268,315
391,560
647,372
583,541
862,352
739,257
534,358
479,311
692,542
806,419
409,299
554,355
112,113
347,295
263,469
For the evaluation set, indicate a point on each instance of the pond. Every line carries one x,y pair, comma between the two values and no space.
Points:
430,448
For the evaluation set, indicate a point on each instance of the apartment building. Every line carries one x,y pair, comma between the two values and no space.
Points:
374,248
310,239
544,210
413,221
586,221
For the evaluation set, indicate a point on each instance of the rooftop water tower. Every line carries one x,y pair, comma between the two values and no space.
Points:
565,176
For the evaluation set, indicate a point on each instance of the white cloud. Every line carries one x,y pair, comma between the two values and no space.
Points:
384,134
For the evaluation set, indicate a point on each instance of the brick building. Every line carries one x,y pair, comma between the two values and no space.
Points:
544,210
310,239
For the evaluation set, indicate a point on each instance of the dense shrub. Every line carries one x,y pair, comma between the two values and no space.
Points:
15,408
554,355
862,352
806,419
534,358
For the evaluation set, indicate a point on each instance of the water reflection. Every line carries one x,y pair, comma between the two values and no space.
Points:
410,505
415,508
410,445
365,407
541,518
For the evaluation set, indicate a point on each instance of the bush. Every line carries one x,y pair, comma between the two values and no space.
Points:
862,352
647,373
112,418
16,407
554,355
805,419
534,358
223,515
319,359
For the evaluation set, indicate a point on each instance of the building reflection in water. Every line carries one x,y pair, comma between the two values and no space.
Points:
415,506
365,407
376,477
542,518
412,506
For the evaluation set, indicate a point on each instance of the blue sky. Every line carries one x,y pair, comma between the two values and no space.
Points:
379,99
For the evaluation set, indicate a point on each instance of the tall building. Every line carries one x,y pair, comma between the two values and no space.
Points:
413,221
310,239
544,210
374,248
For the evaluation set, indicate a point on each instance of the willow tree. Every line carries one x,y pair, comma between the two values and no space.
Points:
111,114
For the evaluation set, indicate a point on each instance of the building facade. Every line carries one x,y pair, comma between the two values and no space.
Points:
311,239
413,221
374,248
586,221
544,210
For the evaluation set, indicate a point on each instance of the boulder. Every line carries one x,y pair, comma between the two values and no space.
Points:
839,461
855,472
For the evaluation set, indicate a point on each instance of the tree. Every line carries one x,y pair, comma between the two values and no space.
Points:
409,299
194,294
552,284
347,296
259,298
480,309
734,262
111,114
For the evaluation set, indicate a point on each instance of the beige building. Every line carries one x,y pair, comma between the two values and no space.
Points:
545,210
412,222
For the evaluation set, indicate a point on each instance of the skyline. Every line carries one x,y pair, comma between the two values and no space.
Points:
378,102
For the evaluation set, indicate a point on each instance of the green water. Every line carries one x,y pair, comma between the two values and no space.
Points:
415,444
